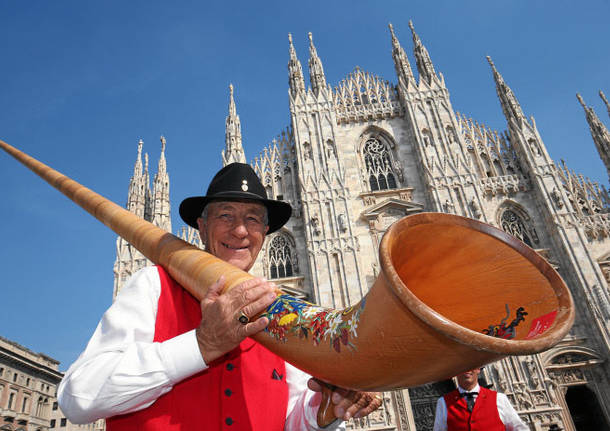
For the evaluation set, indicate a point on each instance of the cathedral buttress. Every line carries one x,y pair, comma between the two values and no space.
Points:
151,206
139,198
555,211
320,181
438,143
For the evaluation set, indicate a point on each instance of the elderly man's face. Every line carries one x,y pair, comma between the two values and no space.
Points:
234,231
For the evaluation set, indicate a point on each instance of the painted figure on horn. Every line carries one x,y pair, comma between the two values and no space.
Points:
160,360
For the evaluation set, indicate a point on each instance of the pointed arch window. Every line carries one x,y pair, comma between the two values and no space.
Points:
378,162
512,223
282,257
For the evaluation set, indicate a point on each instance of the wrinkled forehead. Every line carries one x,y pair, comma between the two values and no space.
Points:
241,205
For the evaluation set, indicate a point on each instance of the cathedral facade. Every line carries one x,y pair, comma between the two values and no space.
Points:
359,156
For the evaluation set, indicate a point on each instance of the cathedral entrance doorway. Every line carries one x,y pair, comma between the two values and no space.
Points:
585,409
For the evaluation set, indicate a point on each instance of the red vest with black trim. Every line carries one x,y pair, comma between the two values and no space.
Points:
243,390
484,415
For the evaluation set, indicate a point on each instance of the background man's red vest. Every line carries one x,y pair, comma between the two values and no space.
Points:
243,390
484,415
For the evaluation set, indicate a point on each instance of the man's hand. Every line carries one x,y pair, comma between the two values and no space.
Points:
350,404
220,331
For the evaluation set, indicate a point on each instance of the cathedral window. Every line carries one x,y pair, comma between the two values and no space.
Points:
282,257
513,224
377,159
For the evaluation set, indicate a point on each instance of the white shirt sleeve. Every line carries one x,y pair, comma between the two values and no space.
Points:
121,369
303,404
508,415
440,417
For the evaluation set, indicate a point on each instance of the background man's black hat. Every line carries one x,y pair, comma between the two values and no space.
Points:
236,181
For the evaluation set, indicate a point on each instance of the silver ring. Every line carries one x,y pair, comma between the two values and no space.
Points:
243,319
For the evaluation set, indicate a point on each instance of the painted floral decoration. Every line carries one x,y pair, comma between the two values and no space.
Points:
291,316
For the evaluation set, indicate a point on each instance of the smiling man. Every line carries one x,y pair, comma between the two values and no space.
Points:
161,360
473,408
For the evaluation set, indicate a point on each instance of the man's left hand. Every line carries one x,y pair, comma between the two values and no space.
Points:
350,404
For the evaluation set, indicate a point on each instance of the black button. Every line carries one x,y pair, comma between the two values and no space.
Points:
229,421
228,392
230,366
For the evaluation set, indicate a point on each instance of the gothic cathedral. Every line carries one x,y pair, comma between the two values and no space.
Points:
359,156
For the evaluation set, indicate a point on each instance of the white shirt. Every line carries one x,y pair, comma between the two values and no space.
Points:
123,371
508,415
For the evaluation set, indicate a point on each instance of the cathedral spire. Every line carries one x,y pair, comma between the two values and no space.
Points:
234,151
138,186
424,62
161,206
510,105
295,72
603,96
316,71
137,169
147,193
599,132
401,61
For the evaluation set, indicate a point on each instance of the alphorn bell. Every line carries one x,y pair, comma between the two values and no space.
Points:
453,294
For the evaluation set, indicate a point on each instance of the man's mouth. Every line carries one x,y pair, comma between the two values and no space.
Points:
234,247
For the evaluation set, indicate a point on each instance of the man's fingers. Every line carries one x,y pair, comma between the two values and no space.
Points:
255,327
352,404
214,290
371,402
259,305
249,291
343,399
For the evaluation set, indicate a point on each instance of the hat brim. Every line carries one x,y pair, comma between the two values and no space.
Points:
278,211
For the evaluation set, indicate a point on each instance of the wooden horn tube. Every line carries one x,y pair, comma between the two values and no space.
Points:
190,266
445,282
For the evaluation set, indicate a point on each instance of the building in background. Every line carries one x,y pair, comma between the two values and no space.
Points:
28,391
360,155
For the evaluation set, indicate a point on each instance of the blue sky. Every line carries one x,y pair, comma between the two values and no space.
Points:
82,81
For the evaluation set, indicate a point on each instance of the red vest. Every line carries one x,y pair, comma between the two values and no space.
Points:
484,415
243,390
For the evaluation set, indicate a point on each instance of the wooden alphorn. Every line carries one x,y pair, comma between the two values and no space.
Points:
453,294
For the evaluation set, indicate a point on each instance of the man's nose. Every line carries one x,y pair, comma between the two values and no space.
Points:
239,228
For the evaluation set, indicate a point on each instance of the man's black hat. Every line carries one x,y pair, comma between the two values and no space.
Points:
236,181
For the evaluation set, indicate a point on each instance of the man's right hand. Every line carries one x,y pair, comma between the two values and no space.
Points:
220,330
